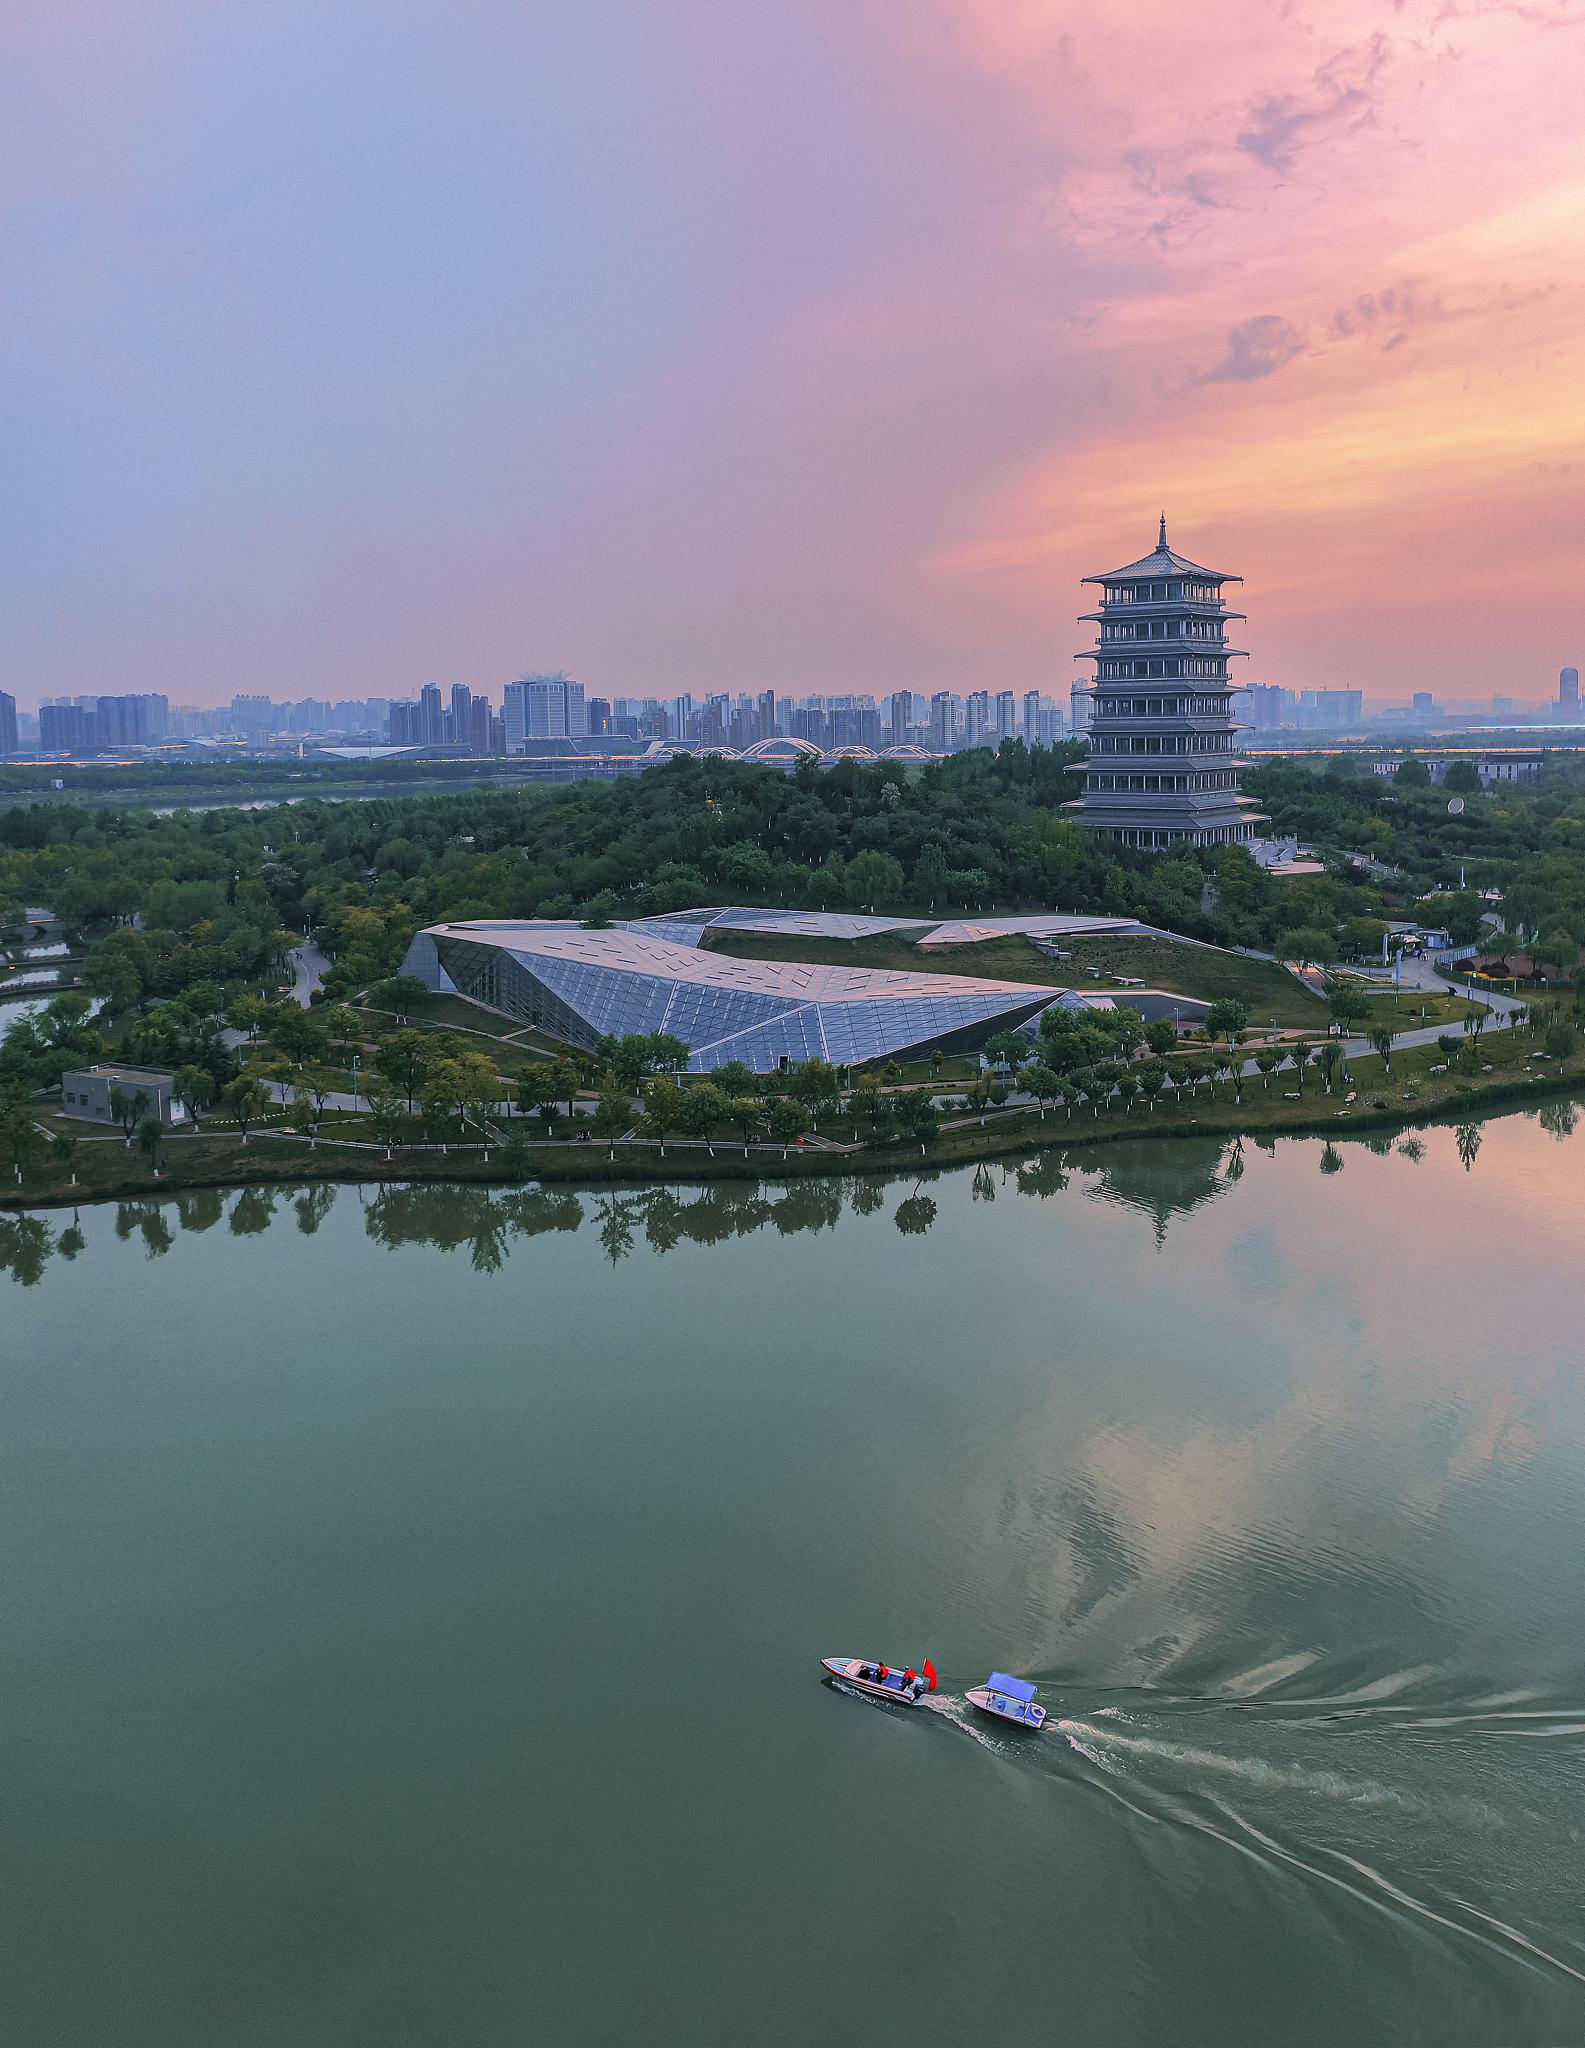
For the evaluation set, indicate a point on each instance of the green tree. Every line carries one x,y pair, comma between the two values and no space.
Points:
64,1146
1161,1035
873,878
1152,1079
786,1122
1462,778
20,1137
1006,1048
1331,1058
747,1113
1381,1042
1557,948
1309,946
246,1100
613,1114
1412,773
1042,1084
1267,1059
704,1110
151,1137
1562,1039
402,1060
194,1089
298,1034
930,875
662,1111
1226,1019
388,1113
667,1053
126,1106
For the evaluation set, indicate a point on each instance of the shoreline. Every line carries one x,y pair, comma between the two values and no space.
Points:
290,1161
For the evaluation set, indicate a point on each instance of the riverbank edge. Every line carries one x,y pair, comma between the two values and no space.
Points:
285,1162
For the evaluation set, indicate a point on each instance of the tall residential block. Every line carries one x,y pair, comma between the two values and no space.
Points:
8,723
1162,765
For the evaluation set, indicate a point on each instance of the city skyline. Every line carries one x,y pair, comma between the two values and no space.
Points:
818,351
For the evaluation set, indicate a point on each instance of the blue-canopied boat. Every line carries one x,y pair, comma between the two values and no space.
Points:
1007,1699
903,1688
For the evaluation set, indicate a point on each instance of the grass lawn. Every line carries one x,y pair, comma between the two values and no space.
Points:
1265,989
450,1012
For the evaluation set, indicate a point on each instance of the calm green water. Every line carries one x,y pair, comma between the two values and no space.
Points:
412,1605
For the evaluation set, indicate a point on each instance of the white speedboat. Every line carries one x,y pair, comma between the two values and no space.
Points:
1007,1699
903,1687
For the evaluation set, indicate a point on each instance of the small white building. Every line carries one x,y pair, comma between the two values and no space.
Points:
87,1091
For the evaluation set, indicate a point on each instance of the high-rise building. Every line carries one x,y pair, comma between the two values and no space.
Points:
545,707
1162,765
459,716
902,716
599,713
1334,709
1079,709
8,723
1006,715
765,718
1270,705
252,717
1568,689
977,719
943,722
431,714
1422,705
405,724
1031,725
67,729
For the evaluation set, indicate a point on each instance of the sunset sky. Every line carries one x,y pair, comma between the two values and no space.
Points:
716,345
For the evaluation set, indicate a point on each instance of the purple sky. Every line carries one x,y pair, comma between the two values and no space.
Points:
354,347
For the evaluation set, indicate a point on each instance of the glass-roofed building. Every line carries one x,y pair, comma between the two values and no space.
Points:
1163,766
579,984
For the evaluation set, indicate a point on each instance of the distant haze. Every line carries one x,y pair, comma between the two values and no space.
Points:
720,347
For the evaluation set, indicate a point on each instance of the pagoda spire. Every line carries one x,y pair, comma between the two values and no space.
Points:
1161,537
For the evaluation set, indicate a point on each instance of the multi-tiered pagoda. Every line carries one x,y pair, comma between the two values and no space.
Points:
1162,765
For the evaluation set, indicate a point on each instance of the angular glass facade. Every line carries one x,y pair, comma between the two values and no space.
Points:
579,985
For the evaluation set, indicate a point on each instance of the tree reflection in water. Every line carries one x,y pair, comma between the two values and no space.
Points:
1165,1177
1160,1178
150,1222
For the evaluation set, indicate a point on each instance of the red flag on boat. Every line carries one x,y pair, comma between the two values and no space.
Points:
930,1673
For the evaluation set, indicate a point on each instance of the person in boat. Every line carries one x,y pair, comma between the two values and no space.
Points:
909,1677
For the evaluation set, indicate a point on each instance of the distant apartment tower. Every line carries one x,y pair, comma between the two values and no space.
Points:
1079,709
1270,705
977,719
67,729
902,716
252,717
1568,689
1006,715
1031,724
1333,709
943,722
598,712
8,723
1162,765
405,724
544,707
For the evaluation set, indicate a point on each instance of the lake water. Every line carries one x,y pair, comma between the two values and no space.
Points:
413,1602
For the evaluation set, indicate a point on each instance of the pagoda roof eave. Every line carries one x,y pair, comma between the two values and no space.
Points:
1219,611
1162,562
1119,653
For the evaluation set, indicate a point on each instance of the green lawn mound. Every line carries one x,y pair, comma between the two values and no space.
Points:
1264,988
